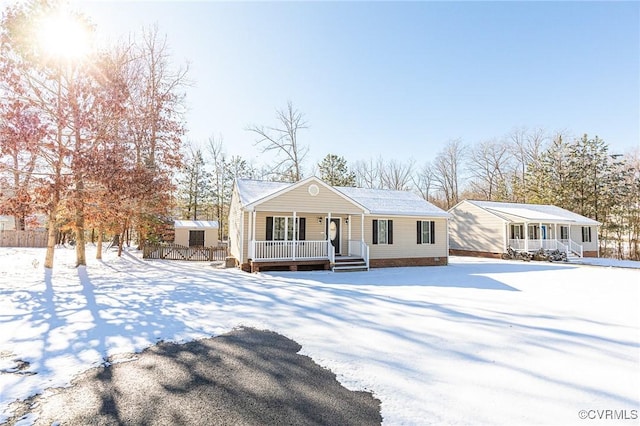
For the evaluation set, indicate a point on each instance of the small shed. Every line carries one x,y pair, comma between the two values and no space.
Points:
7,223
196,233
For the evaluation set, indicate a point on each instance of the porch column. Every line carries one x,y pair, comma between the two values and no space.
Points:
252,223
540,234
295,237
526,236
328,228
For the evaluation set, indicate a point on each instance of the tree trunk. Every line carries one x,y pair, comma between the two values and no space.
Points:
99,244
51,240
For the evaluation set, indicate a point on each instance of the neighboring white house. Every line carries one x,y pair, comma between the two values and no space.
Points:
196,233
7,223
311,224
487,228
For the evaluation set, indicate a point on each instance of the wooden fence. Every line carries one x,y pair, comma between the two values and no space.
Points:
31,238
178,252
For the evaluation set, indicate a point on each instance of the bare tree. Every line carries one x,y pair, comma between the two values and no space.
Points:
526,147
488,163
448,168
395,175
283,141
424,181
367,174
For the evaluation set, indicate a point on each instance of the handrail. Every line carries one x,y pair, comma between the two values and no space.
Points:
562,247
576,248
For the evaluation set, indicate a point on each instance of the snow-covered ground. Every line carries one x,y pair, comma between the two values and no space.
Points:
476,342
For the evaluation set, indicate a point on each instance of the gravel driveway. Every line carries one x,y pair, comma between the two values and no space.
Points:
245,377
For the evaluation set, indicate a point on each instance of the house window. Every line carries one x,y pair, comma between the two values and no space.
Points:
426,232
517,232
586,234
564,232
196,238
382,231
534,232
280,228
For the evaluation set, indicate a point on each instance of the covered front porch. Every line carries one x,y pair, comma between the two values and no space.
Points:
293,240
531,237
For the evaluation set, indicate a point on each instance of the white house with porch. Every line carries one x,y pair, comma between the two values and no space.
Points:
488,228
310,224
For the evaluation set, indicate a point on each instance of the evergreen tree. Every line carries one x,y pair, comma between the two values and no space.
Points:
333,170
194,185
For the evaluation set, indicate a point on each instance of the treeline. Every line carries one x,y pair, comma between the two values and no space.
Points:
525,166
91,138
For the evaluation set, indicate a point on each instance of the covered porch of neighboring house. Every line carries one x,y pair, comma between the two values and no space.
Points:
306,240
533,236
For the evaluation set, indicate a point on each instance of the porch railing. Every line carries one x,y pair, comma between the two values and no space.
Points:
550,244
563,247
517,244
289,250
359,248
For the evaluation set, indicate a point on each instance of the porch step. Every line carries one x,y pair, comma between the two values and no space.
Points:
350,265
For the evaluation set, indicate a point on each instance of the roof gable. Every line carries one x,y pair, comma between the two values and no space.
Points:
265,191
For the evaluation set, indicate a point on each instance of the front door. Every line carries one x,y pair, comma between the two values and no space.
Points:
333,232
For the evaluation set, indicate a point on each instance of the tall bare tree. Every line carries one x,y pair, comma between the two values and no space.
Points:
424,181
396,175
448,167
488,163
282,140
367,174
526,146
156,123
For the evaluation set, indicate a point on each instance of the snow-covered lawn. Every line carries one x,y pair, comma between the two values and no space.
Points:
476,342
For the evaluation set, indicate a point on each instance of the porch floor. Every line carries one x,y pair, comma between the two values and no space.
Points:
289,265
295,265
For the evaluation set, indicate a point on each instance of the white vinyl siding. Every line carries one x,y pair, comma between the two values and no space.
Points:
475,229
404,240
299,199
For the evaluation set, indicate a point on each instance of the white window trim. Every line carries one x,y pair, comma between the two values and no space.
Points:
386,233
428,227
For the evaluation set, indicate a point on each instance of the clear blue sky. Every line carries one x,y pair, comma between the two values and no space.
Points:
400,79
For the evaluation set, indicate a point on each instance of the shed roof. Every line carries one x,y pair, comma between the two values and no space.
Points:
376,201
196,224
533,212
